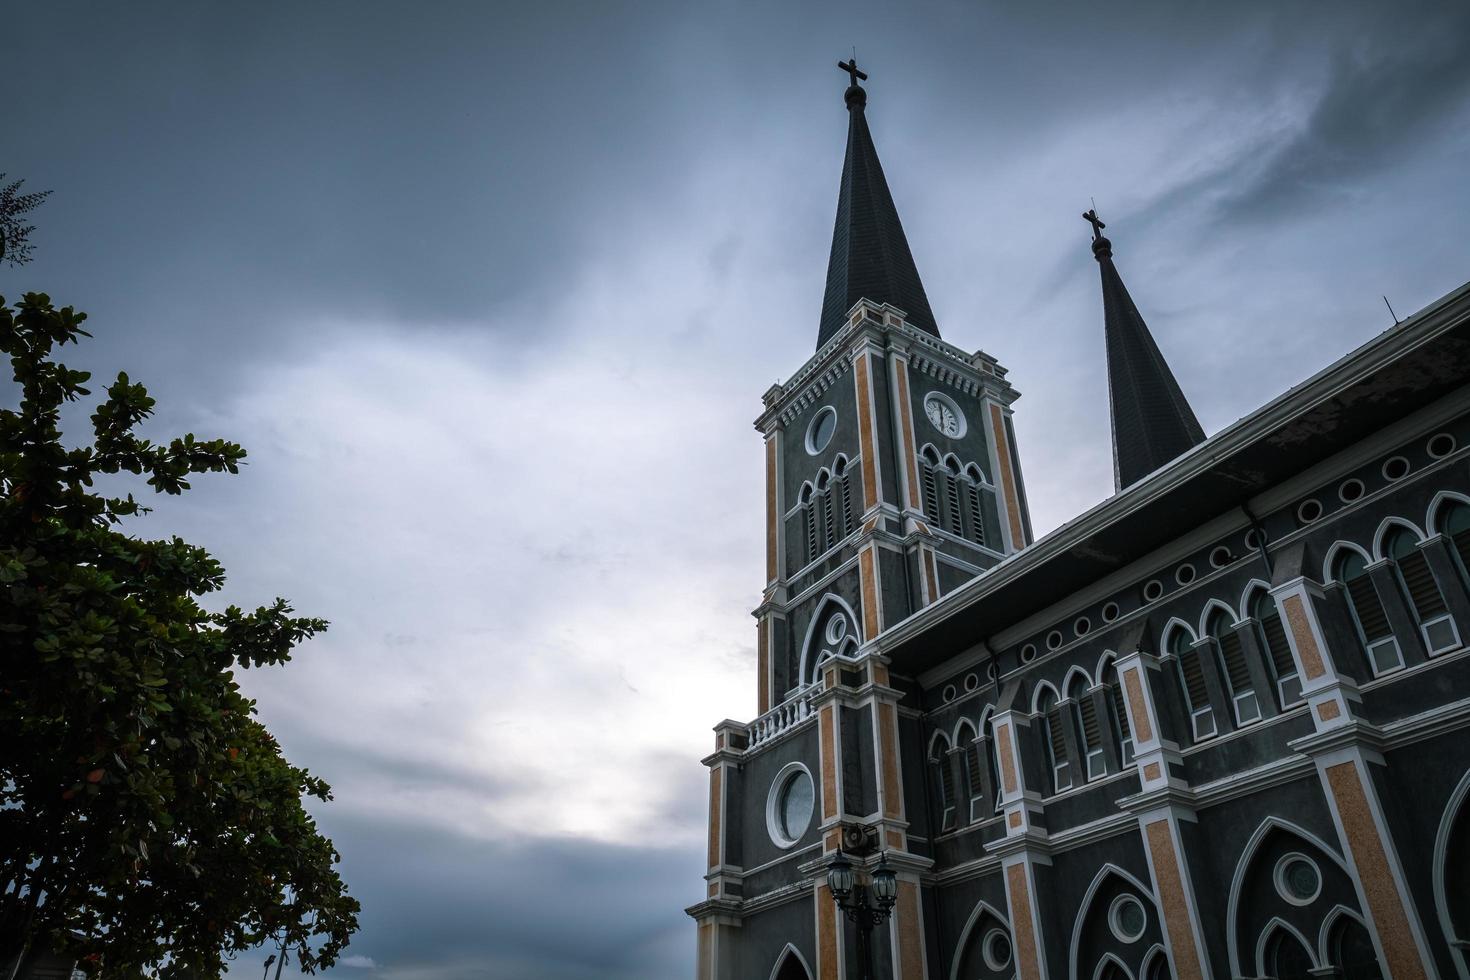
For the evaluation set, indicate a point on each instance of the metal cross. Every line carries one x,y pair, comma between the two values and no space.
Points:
852,69
1095,221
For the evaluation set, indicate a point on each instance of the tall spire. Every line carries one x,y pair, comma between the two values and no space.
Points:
870,255
1152,422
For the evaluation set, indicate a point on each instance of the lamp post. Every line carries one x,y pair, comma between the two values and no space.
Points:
852,897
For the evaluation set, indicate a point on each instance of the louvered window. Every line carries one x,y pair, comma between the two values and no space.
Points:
977,515
993,763
944,778
973,770
1120,714
931,493
1056,748
1196,695
1373,629
952,492
848,522
1091,731
1278,651
829,538
1435,623
809,518
1237,674
1456,524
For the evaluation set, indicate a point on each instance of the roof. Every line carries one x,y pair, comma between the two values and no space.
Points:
870,256
1402,370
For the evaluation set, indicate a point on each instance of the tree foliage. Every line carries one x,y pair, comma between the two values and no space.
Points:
15,244
149,824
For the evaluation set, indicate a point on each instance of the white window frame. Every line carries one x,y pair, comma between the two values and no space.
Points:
1442,618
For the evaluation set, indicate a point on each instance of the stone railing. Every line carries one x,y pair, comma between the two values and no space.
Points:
791,713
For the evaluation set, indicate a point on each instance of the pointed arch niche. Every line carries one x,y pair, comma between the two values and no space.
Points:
791,965
832,632
985,950
1116,929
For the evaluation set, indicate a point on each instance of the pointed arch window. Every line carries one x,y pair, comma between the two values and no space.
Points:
1056,743
952,521
1351,569
824,508
1237,674
1286,958
844,490
1454,523
1122,731
993,765
974,485
1412,571
939,751
1084,712
809,524
927,464
967,742
1272,634
1192,683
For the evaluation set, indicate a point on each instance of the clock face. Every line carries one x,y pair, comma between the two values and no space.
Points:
944,415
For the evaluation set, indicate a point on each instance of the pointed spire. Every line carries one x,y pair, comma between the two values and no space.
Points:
1152,422
870,255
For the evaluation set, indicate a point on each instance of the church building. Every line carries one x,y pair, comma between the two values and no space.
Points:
1216,727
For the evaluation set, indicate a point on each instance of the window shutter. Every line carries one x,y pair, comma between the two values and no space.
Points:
946,780
952,491
828,538
977,518
1090,733
810,519
972,768
1234,656
1060,762
1194,680
1370,611
1277,646
1461,540
931,494
1120,708
1423,590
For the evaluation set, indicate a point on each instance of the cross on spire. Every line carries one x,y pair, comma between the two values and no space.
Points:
1096,222
852,69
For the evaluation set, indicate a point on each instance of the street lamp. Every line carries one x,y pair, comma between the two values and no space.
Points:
851,896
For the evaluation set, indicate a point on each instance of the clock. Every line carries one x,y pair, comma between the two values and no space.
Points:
944,414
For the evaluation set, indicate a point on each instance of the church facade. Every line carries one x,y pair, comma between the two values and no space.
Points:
1216,727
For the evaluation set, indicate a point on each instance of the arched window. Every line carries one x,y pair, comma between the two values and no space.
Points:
1271,634
1417,582
1286,958
1351,569
809,523
1350,949
1112,971
1088,729
846,520
952,521
1453,521
1056,743
973,489
1237,675
927,462
1192,683
1122,732
1157,966
993,764
943,779
824,503
970,749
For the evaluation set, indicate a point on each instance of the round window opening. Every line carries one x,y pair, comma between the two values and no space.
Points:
972,681
1153,590
1028,653
1127,918
996,948
949,693
1309,511
1083,626
944,414
1350,490
1441,445
1110,612
1053,639
1298,880
1395,468
789,809
1253,539
836,629
819,433
1184,575
1220,557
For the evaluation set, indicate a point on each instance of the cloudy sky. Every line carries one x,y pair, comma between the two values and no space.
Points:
490,293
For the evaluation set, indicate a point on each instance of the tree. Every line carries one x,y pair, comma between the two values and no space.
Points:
15,245
149,824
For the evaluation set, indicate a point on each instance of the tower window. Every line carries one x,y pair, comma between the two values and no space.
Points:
1192,682
1237,674
1417,581
1278,650
1351,569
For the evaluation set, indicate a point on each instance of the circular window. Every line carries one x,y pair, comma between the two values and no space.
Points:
1440,446
990,671
1153,589
1127,918
1297,879
944,414
1220,557
1028,653
1053,639
1253,539
789,807
1350,490
996,948
819,433
972,681
949,692
836,629
1184,574
1395,468
1083,626
1308,511
1110,612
